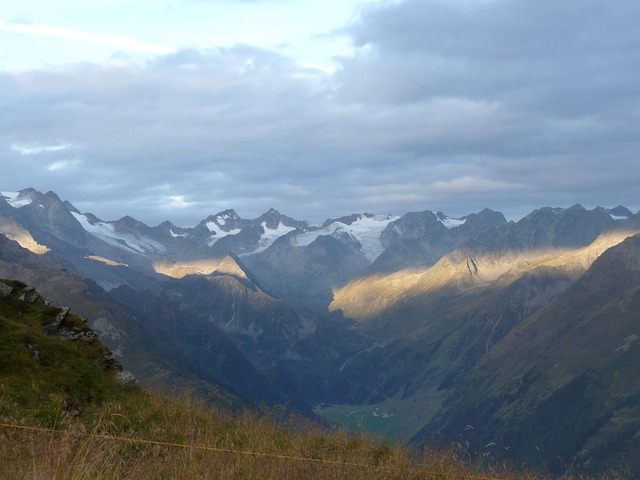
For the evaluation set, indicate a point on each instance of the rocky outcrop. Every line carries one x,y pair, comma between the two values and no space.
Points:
59,322
5,290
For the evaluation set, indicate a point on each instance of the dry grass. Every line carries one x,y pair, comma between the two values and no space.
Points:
290,448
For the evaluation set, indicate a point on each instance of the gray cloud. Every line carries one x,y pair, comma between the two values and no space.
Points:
446,105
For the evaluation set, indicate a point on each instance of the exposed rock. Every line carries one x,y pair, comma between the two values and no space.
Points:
75,334
55,325
35,353
5,290
109,362
126,378
30,295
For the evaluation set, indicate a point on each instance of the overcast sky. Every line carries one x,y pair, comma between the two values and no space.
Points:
177,109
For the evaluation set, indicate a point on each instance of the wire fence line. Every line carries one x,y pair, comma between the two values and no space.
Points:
237,451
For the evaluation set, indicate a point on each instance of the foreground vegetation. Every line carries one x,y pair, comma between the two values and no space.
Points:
62,380
289,447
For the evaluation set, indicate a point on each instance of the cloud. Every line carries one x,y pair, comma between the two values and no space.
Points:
63,165
125,42
446,105
34,149
467,184
539,55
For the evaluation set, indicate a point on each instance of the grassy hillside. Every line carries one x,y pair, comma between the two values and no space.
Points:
51,363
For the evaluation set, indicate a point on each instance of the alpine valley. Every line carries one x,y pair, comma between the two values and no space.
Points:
520,338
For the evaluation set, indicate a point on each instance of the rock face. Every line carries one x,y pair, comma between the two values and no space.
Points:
420,239
5,290
307,275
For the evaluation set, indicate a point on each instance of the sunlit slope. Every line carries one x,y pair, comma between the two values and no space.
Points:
14,231
460,272
430,328
225,265
564,383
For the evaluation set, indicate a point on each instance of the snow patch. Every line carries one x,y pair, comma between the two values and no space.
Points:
367,230
10,195
13,198
125,241
176,235
450,223
218,233
270,235
619,217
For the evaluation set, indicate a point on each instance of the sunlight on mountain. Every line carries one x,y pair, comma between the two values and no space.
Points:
12,230
206,266
106,261
461,271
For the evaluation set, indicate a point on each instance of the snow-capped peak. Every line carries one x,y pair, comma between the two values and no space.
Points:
270,235
619,213
218,233
221,218
107,233
17,199
367,229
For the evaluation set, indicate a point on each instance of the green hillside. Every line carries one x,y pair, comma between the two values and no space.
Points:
51,363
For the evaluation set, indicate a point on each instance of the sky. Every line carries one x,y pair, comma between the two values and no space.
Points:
178,109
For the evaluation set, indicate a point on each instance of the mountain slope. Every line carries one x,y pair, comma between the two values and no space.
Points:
564,383
307,275
177,333
464,271
429,328
173,349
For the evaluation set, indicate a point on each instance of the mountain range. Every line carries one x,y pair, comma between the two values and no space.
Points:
520,337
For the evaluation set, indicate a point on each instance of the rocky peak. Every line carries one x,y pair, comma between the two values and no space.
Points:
491,216
130,223
347,219
226,220
413,225
166,226
229,214
272,219
47,219
71,207
620,211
